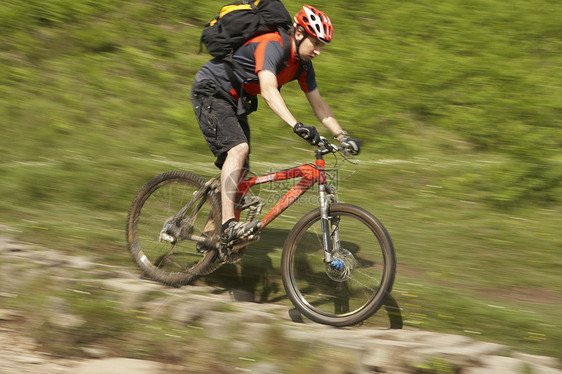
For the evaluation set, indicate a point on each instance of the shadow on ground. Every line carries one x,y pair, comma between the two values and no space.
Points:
257,278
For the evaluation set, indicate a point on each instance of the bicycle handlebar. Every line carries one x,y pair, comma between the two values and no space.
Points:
326,147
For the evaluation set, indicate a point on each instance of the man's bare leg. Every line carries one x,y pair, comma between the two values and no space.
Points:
230,176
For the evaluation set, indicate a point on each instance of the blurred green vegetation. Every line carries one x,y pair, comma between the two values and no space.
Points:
458,106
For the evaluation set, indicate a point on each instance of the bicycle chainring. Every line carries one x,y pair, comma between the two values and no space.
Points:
232,257
234,251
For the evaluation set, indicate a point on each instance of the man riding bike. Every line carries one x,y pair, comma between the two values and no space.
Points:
223,97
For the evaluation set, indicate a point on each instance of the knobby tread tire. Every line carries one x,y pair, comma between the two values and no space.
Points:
209,261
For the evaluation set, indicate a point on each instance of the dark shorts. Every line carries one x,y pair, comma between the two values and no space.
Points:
216,114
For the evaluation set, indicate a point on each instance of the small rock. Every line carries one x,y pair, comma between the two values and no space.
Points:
295,315
66,321
29,359
244,296
94,352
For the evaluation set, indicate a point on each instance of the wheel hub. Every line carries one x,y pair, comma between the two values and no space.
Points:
340,273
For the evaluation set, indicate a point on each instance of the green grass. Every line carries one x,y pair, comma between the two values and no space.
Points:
457,106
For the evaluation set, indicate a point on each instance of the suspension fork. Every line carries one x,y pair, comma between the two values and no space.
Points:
325,223
335,234
326,197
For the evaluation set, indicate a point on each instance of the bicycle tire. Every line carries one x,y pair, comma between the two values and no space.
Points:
161,198
347,301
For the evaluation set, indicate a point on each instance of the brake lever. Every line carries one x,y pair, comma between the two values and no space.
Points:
324,143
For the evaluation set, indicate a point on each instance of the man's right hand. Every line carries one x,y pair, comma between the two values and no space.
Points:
308,133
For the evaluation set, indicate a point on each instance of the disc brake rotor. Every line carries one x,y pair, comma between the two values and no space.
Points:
349,266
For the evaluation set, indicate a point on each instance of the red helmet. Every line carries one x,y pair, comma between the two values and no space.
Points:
315,23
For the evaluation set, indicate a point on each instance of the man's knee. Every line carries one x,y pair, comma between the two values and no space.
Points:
240,150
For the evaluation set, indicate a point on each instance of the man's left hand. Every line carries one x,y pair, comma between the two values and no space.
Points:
349,145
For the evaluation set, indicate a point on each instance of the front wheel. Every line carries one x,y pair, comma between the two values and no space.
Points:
344,296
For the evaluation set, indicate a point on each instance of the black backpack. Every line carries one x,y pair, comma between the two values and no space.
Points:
238,22
234,25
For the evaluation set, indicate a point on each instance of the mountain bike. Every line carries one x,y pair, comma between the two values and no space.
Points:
337,264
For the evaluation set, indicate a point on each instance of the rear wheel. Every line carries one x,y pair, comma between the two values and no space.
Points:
354,292
160,199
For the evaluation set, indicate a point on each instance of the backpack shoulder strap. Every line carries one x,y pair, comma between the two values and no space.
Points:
246,103
230,64
287,45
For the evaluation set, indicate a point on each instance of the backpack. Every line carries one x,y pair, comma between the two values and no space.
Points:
238,22
234,25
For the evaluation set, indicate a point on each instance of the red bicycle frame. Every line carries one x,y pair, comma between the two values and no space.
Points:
310,174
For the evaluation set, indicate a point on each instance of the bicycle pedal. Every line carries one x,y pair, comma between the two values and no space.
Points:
255,227
250,231
234,245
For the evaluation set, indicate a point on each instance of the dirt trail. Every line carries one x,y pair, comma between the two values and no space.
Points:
213,314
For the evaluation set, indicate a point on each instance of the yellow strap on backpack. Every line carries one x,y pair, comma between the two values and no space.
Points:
230,8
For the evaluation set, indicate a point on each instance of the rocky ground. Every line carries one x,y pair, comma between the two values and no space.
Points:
225,318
